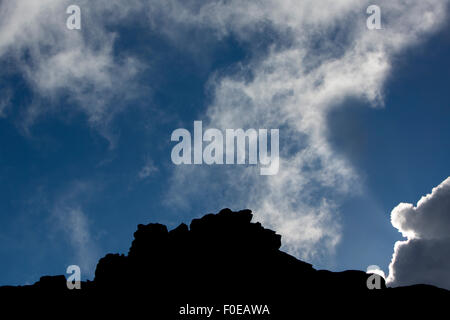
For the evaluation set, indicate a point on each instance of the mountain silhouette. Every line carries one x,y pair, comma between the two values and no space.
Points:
223,262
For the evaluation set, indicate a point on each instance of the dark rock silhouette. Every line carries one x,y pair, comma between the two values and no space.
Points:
220,259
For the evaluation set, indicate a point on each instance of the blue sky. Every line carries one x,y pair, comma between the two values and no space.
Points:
86,119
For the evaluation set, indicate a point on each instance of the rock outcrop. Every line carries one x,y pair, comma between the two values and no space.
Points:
219,259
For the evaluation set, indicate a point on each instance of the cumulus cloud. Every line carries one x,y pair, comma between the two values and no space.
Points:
425,256
321,55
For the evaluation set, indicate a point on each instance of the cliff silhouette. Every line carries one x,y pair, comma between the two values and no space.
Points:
220,259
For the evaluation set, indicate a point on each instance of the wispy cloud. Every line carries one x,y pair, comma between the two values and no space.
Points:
147,170
322,55
75,224
5,101
68,216
77,65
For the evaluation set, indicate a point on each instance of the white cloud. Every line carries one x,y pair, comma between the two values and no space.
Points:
323,55
425,256
76,226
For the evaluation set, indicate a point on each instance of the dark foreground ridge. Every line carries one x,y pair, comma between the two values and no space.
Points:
222,267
